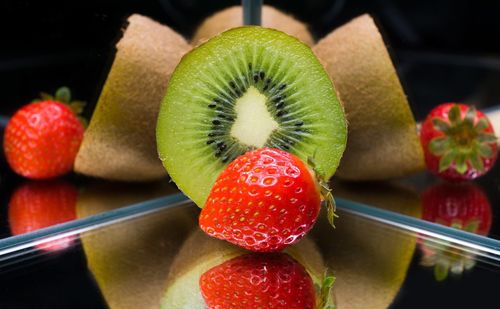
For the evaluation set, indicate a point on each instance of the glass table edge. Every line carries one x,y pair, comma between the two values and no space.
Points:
486,246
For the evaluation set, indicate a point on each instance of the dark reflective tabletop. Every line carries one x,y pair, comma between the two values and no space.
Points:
155,257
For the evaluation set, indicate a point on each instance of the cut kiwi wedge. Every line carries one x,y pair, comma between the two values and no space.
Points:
247,88
383,139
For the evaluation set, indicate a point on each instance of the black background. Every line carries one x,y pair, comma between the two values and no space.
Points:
444,51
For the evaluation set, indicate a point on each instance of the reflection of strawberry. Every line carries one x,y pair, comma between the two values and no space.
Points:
258,281
461,206
42,138
264,200
35,205
458,141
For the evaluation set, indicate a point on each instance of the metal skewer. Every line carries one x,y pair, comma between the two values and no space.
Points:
252,11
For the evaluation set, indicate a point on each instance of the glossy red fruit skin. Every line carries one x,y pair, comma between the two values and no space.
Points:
458,205
263,201
429,132
258,281
42,139
35,205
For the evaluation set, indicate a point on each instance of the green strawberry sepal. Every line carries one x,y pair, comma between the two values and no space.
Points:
463,141
63,95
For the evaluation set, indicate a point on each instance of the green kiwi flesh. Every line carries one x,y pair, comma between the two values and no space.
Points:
247,88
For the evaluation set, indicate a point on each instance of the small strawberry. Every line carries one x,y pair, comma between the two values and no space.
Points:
35,205
458,141
462,206
42,138
264,200
273,280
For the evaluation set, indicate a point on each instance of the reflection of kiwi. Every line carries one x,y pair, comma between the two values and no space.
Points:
247,88
131,260
200,253
119,143
233,17
369,259
383,141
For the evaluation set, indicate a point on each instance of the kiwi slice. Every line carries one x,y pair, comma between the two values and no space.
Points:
247,88
233,17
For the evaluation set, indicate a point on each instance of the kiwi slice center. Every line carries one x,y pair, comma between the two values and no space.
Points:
252,112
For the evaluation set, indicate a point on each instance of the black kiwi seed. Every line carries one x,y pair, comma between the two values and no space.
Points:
280,113
283,86
277,99
225,159
255,78
212,105
210,141
232,84
262,75
280,105
216,122
299,123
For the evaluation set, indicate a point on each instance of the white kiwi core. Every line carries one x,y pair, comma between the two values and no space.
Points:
253,124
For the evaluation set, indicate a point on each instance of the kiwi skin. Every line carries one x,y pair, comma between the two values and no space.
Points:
233,17
383,141
119,143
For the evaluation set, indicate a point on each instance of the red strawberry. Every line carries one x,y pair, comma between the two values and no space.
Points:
42,138
458,141
35,205
264,200
258,281
462,206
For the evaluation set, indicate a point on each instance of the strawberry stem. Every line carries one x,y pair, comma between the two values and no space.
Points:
63,94
325,300
325,191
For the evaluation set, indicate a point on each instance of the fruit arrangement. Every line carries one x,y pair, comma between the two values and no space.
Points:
238,92
251,128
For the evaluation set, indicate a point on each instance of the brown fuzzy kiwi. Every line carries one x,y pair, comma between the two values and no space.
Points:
369,259
131,260
233,17
383,142
119,143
